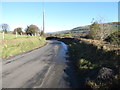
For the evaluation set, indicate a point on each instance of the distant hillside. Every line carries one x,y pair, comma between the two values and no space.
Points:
83,30
76,30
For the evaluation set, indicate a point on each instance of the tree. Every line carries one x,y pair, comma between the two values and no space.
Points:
105,31
18,30
5,27
94,28
100,30
31,30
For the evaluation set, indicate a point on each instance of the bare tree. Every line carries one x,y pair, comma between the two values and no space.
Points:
5,27
105,31
100,30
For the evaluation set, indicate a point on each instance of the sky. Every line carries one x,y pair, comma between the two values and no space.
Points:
58,15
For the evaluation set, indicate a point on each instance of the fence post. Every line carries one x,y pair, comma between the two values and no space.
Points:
16,34
3,35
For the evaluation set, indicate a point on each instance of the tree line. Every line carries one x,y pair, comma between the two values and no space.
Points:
30,30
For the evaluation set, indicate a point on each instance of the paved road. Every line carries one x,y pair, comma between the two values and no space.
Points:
45,67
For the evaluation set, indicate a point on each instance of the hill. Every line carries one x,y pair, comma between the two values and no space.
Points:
83,30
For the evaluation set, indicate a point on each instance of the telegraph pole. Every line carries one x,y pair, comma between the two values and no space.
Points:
43,20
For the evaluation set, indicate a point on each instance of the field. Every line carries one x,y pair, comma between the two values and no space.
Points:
11,45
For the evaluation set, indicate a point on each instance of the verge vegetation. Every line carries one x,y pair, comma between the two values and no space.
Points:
11,45
97,62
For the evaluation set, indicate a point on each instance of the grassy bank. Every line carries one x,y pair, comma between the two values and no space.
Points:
12,46
12,36
97,64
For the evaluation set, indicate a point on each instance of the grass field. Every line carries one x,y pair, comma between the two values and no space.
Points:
12,36
11,45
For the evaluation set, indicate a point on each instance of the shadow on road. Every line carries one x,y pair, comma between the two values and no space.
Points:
73,78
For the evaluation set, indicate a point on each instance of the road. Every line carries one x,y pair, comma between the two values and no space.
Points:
45,67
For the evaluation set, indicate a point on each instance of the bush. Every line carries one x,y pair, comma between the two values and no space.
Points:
100,31
114,38
94,28
18,30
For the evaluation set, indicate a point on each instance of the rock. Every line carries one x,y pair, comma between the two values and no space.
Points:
105,75
104,47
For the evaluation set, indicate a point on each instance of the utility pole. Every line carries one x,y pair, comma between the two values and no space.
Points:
43,27
43,21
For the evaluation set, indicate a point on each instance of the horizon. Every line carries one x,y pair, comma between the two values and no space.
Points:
59,16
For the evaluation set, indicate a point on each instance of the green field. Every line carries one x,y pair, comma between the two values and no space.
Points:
11,45
12,36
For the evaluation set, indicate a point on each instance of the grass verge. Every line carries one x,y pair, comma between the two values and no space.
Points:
13,46
97,65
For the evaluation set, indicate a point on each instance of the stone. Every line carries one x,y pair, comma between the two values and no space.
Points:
105,74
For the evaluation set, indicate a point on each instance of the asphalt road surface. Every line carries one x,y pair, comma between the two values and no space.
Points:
45,67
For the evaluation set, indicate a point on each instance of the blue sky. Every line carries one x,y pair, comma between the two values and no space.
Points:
58,15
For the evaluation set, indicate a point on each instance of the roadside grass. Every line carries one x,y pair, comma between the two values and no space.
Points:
12,36
89,59
12,46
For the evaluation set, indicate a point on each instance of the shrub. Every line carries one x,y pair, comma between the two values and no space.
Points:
18,30
99,30
114,38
